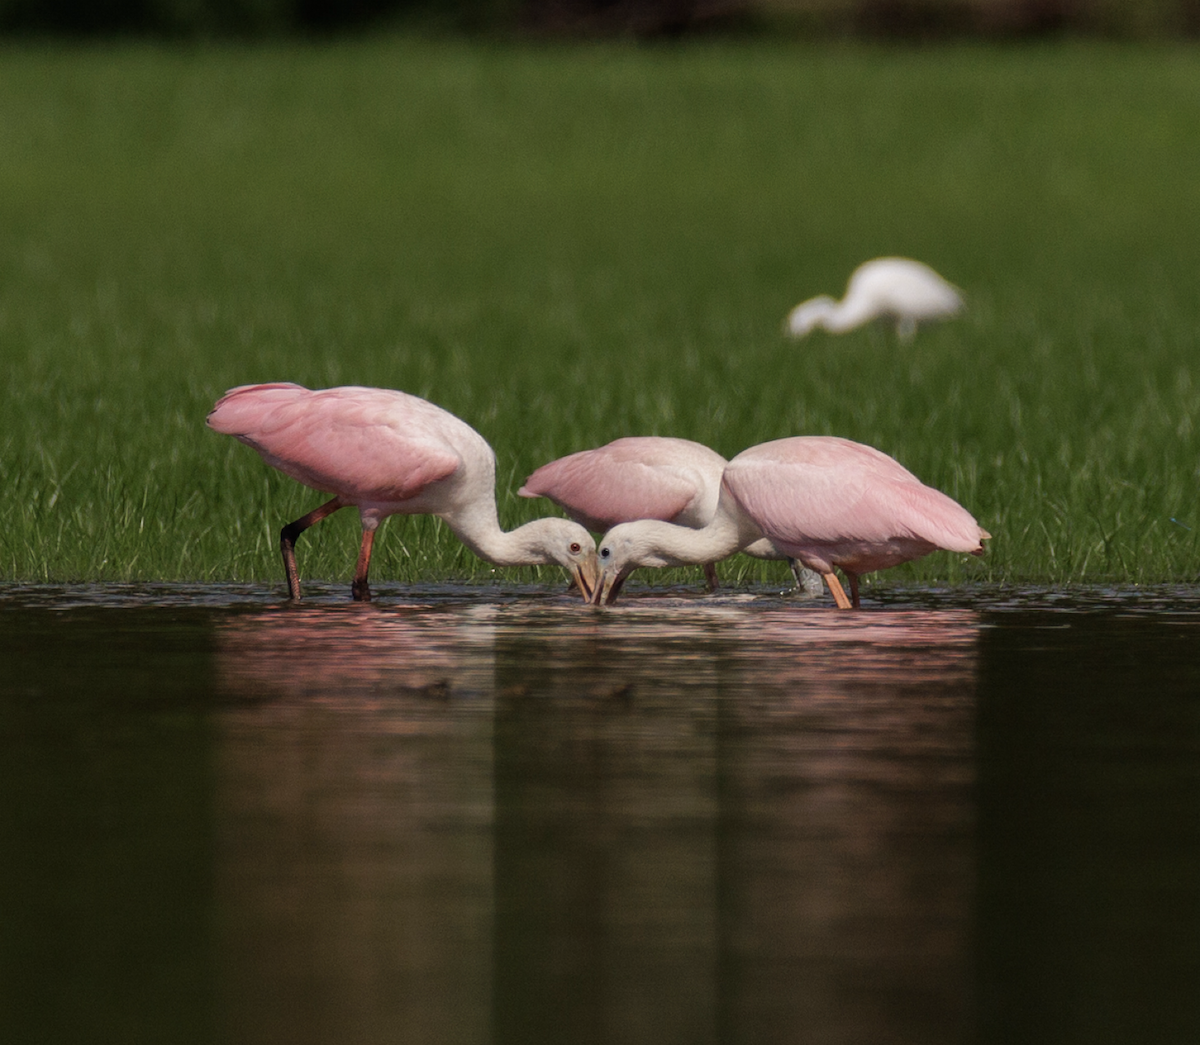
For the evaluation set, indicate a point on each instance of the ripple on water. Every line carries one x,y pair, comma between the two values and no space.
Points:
742,810
677,603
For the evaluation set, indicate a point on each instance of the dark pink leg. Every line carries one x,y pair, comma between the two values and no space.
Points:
360,589
287,543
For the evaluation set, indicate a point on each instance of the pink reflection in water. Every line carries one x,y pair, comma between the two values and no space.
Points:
346,653
354,826
666,823
851,771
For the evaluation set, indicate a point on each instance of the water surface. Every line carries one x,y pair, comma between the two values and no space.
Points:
468,814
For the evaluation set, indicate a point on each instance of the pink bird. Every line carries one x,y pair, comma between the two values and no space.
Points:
390,453
646,477
826,501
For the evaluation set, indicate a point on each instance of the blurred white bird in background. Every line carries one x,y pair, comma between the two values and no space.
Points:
901,288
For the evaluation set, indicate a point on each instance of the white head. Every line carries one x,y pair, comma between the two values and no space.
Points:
622,550
809,315
647,542
563,543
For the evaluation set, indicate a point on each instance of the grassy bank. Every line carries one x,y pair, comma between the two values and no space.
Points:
566,245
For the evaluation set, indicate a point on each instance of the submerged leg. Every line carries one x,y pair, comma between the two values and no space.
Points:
710,577
836,590
360,589
808,583
287,543
853,579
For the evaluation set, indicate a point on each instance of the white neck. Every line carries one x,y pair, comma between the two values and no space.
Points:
852,311
478,527
653,543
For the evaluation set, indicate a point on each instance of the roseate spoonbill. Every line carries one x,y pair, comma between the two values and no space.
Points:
906,290
826,501
390,453
647,477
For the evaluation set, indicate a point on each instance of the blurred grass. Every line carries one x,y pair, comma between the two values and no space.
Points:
563,245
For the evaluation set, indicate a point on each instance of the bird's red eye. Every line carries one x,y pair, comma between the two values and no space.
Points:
575,547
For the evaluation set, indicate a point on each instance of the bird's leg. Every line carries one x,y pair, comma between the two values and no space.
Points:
807,582
710,577
287,543
836,590
853,579
360,589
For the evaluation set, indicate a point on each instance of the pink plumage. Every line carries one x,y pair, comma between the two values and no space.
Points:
832,502
638,477
389,453
370,446
646,477
825,501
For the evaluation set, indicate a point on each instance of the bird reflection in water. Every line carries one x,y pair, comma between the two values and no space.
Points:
847,853
696,821
341,654
354,825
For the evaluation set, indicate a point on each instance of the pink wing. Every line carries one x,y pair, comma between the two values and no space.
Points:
639,477
365,444
830,491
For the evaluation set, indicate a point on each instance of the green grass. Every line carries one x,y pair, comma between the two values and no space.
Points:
564,245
